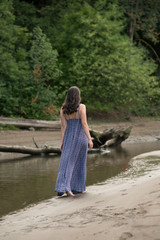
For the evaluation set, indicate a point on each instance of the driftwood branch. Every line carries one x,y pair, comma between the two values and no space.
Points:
35,142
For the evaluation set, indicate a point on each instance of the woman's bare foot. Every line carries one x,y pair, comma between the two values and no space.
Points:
84,191
70,194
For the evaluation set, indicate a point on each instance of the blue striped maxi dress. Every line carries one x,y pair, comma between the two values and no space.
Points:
72,167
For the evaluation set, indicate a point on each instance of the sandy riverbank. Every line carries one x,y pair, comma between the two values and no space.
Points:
120,209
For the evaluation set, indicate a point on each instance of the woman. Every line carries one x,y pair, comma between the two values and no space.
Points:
75,138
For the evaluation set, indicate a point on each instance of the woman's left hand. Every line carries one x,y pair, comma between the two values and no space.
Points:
90,144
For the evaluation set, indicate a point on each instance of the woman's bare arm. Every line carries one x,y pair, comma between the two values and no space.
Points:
85,124
63,126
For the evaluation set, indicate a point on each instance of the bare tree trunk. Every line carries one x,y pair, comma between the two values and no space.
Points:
131,24
133,19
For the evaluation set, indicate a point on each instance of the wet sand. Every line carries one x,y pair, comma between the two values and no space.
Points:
122,208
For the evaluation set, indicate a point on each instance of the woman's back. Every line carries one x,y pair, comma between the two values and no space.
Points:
74,115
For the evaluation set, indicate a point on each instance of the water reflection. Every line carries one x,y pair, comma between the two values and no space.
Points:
102,167
32,179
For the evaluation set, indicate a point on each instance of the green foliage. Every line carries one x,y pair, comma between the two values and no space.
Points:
48,46
27,78
41,91
13,64
99,59
8,127
45,57
38,101
26,14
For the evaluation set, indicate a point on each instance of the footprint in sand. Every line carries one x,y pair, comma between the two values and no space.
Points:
126,235
124,194
123,190
153,192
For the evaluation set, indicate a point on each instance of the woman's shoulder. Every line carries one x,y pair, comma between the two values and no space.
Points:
61,110
82,108
82,105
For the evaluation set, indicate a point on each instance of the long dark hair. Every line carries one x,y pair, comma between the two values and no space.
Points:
72,100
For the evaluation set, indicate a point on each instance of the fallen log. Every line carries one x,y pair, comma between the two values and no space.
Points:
29,150
39,151
29,123
101,140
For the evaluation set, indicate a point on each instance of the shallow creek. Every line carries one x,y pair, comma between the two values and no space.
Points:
29,180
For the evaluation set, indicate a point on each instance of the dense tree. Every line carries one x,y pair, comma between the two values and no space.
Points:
45,57
13,65
27,86
101,46
26,14
99,58
143,29
44,65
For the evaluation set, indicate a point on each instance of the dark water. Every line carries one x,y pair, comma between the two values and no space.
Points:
32,179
